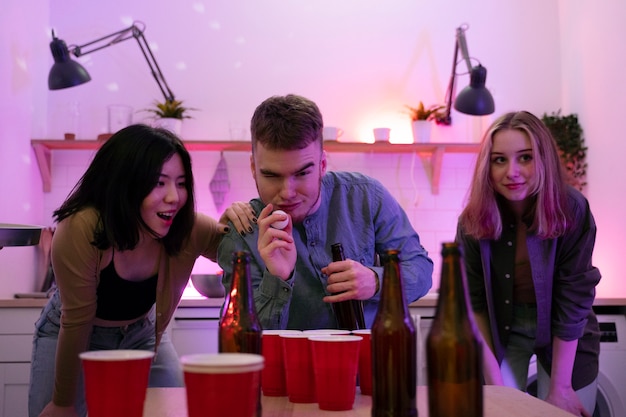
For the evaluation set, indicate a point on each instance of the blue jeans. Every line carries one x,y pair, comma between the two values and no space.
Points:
520,351
164,372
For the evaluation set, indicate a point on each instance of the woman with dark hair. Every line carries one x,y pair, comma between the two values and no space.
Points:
126,242
528,239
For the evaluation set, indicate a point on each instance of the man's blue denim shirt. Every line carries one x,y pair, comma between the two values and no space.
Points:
356,211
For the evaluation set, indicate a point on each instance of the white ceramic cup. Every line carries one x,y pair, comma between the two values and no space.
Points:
381,134
331,133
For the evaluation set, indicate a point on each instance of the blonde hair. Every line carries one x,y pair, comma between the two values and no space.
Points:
481,217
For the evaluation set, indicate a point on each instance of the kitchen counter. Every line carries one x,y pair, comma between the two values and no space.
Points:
498,402
429,300
40,302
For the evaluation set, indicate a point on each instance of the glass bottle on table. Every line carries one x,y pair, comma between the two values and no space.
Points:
453,348
349,313
240,330
394,347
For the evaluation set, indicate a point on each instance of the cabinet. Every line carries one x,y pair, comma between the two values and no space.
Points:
195,330
431,154
16,332
422,313
192,330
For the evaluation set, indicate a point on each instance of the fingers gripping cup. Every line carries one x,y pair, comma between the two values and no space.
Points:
116,381
222,384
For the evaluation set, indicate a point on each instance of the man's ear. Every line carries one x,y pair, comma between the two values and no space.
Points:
253,167
323,164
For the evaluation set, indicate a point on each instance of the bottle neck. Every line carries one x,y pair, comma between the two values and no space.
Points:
453,296
337,251
240,295
391,296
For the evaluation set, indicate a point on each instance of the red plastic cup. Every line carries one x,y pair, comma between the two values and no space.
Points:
222,384
298,368
365,361
116,381
335,363
316,332
273,381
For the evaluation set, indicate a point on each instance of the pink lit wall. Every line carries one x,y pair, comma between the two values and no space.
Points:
360,60
21,201
594,88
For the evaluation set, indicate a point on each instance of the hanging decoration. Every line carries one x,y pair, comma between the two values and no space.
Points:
220,183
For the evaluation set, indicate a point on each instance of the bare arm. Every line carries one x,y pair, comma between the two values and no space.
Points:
561,393
491,368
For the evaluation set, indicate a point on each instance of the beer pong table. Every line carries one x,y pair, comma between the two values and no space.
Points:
498,402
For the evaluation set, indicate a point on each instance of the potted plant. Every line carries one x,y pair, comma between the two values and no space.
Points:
568,135
169,114
421,117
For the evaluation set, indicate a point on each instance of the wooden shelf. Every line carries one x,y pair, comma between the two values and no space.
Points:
43,150
431,154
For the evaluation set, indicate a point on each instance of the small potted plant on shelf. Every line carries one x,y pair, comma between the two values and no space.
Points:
421,117
169,114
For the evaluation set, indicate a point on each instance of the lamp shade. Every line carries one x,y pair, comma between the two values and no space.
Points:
475,99
65,72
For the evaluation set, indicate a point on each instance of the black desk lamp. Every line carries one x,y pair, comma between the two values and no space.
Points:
68,73
474,99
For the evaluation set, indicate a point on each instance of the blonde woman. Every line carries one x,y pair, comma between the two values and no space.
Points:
528,239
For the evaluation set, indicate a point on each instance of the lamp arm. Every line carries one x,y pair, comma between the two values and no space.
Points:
462,44
459,44
119,36
131,32
446,119
153,64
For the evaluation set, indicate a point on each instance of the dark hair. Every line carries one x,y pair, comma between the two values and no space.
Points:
123,172
288,122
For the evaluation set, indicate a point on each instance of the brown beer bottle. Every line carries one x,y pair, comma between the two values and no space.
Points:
394,347
349,313
240,329
453,348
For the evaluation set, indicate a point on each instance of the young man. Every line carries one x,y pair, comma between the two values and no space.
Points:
294,279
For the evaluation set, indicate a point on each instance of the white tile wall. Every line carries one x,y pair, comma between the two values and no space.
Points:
433,216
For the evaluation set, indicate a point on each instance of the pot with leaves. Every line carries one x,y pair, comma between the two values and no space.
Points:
569,138
421,118
169,114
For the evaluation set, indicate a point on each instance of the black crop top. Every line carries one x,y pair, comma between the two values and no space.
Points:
120,299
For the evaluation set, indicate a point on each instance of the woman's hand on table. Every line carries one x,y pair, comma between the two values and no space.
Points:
567,400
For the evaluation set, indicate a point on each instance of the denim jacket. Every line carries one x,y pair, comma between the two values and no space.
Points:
356,211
